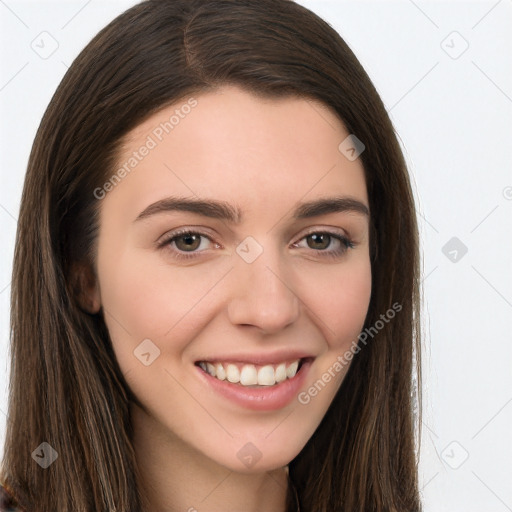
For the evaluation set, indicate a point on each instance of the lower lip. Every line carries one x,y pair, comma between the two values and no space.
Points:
268,398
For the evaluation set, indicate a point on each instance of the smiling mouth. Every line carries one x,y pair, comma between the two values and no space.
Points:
251,375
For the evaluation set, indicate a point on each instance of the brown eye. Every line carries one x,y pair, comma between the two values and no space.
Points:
185,244
188,242
318,241
323,244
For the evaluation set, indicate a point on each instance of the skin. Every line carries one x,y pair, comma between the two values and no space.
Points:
263,156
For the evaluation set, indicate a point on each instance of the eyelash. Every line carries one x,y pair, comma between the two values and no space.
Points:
346,242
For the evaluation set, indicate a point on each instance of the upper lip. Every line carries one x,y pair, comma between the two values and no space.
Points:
258,358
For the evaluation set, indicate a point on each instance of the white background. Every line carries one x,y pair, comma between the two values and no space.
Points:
453,112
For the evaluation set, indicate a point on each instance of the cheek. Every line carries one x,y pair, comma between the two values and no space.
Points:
144,299
339,300
340,304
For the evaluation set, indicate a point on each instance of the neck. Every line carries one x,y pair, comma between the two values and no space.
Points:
175,477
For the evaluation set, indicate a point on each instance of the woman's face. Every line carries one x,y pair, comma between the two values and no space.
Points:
226,247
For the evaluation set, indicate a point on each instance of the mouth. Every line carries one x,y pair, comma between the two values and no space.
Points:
267,386
252,375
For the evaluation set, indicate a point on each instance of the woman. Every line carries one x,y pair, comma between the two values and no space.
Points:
215,285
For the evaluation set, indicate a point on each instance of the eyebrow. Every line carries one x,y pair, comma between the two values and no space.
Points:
205,207
330,205
224,211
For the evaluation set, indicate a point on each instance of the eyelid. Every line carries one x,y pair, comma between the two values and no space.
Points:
196,230
208,233
329,230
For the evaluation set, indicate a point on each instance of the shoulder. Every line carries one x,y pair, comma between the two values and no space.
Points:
7,501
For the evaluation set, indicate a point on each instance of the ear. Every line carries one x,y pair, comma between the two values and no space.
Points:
85,287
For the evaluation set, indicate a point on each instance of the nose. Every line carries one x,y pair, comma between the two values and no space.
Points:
262,297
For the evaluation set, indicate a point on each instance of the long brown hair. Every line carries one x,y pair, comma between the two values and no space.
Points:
66,387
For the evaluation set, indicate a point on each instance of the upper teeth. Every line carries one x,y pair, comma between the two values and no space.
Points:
249,374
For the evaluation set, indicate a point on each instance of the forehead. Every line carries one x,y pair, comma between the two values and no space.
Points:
233,144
